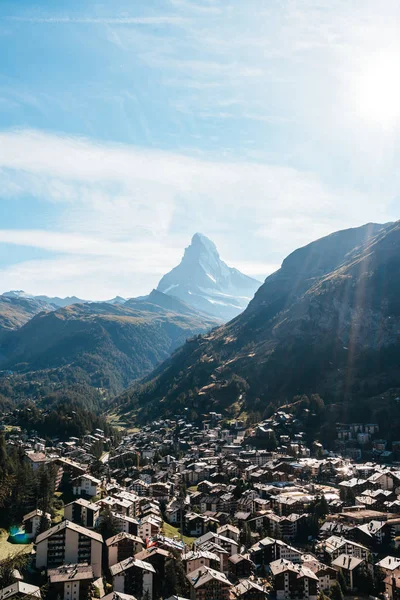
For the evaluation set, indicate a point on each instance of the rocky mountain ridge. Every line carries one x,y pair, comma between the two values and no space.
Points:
328,321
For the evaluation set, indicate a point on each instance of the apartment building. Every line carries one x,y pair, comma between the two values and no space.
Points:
82,512
69,543
71,582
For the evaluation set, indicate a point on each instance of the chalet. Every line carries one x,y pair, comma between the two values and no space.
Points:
230,545
122,546
140,487
36,459
355,485
208,583
372,533
127,524
229,531
86,486
149,527
385,480
194,560
293,581
161,491
248,589
32,522
240,566
156,557
219,551
83,512
389,566
174,512
118,596
327,576
264,552
132,576
71,581
20,590
334,546
351,567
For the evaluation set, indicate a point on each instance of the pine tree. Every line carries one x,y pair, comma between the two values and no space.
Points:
170,579
245,536
108,525
45,488
336,592
342,582
175,580
9,565
44,524
4,462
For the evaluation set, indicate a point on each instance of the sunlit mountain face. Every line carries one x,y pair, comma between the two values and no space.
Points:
205,282
326,322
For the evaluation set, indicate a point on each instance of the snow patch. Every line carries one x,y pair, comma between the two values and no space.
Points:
171,287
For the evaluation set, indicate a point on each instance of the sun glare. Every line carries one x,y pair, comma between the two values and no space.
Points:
378,88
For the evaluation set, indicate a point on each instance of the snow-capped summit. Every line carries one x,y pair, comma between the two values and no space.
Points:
16,294
205,282
116,300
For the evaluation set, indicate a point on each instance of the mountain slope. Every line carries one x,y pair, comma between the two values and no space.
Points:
110,344
205,282
61,302
54,302
15,310
328,321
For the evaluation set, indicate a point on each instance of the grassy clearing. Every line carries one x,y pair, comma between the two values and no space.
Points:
115,421
58,516
58,512
12,428
171,531
7,549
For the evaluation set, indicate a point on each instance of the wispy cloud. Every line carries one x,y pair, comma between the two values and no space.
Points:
133,210
207,8
58,20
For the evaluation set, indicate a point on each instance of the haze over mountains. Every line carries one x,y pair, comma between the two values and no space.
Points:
111,344
327,321
16,310
202,280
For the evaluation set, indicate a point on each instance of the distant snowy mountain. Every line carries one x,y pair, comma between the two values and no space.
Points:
17,308
116,300
16,294
205,282
56,302
61,302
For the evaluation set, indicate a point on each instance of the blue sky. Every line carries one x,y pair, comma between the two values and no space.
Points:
125,127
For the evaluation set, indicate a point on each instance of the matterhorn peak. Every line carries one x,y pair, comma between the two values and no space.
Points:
205,282
199,239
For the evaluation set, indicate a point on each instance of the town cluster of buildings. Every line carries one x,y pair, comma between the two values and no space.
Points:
238,522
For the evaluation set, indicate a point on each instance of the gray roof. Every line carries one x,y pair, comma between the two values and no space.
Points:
69,525
130,562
